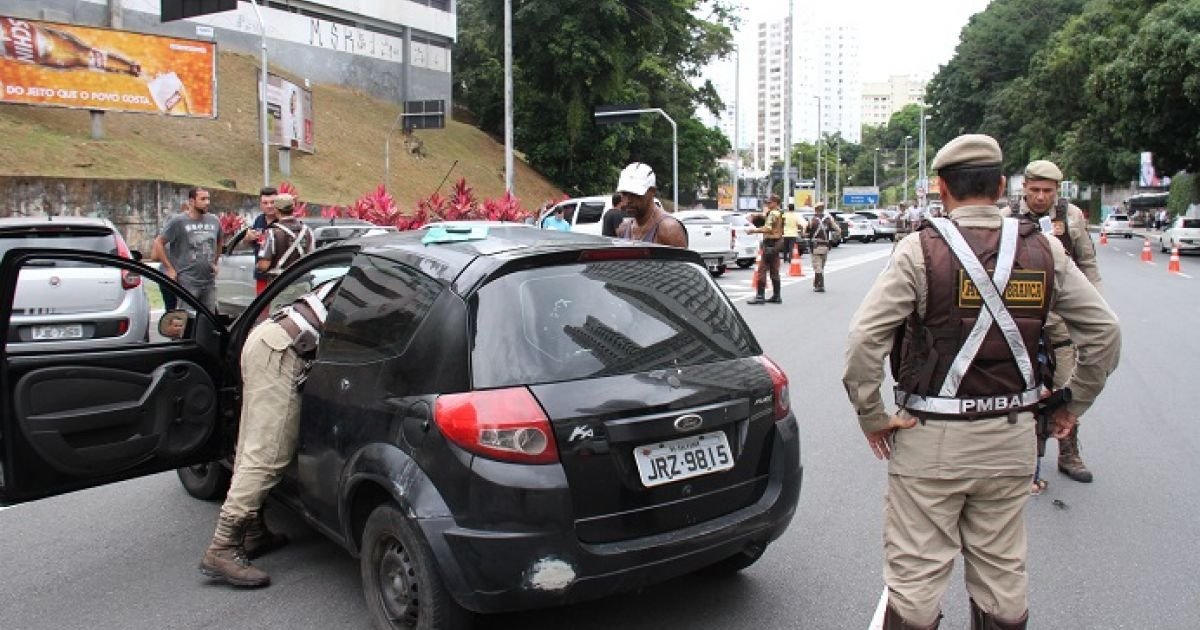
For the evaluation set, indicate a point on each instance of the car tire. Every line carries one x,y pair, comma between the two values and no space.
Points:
719,271
735,563
1162,245
207,482
1128,236
400,579
745,263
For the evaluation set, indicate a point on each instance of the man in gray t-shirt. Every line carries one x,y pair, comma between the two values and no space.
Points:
189,246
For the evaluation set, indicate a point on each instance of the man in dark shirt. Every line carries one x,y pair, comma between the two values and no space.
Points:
257,233
614,217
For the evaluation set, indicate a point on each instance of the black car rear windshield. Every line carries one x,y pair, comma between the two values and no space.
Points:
600,319
98,240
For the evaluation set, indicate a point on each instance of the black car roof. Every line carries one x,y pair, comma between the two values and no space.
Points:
504,245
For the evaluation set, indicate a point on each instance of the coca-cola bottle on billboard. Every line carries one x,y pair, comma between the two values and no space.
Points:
50,47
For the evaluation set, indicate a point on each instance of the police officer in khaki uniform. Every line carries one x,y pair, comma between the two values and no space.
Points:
1041,204
821,231
960,308
274,362
772,244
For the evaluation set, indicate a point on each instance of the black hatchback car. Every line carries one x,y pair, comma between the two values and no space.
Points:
499,417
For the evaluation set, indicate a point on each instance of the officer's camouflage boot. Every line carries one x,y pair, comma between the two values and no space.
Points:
1069,462
983,621
893,621
225,559
260,540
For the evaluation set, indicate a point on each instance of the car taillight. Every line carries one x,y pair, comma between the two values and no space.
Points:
783,399
129,279
732,239
504,424
122,326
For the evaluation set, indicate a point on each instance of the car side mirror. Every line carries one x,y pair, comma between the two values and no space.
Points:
174,324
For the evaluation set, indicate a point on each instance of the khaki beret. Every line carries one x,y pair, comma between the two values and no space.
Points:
284,201
1043,169
968,151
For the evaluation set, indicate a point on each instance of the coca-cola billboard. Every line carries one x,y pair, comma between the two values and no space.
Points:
60,65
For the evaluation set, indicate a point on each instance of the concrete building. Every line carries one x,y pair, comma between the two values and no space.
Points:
773,90
881,100
829,68
393,49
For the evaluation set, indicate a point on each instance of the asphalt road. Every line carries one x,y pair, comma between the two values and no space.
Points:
1118,553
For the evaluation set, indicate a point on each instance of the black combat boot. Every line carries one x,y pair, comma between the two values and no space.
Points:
225,559
1069,462
893,621
775,299
758,299
260,540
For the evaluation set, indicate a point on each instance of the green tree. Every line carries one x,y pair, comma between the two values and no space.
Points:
994,48
1149,96
570,56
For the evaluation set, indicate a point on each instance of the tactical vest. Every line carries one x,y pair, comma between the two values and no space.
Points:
820,233
305,318
290,244
974,354
776,226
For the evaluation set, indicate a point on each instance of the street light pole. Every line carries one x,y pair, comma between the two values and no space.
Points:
817,180
262,98
787,110
737,127
508,100
875,178
922,178
674,140
906,139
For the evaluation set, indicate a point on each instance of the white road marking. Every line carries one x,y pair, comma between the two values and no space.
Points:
1184,275
745,292
877,620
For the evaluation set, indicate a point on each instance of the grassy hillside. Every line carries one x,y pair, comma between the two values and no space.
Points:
350,129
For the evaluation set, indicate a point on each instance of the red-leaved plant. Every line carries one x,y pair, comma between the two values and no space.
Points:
231,222
299,208
379,207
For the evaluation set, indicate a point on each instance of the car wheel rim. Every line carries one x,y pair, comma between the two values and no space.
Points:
397,583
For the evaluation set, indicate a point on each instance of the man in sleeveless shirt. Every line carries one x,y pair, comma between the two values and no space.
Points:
647,222
1041,204
274,363
288,240
961,306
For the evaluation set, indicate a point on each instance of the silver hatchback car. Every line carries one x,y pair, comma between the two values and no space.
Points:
61,305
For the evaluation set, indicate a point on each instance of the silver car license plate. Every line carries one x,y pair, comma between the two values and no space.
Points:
688,457
59,331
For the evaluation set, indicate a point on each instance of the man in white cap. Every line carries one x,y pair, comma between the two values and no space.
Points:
1041,204
961,305
647,222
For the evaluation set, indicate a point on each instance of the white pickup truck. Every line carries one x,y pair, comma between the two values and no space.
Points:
714,240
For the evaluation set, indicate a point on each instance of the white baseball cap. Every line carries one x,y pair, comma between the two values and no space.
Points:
637,178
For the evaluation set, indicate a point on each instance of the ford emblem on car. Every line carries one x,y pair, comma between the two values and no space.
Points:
689,422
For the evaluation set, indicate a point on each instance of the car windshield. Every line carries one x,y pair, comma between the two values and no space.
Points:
600,319
101,241
1190,223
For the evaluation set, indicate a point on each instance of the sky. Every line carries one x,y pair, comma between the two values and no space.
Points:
911,37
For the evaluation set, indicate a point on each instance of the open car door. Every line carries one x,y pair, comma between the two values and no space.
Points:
103,378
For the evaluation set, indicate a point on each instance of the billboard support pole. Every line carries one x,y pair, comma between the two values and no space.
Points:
262,98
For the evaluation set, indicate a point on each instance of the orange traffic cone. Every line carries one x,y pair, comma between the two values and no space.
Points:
1173,267
1146,255
796,269
757,268
1103,237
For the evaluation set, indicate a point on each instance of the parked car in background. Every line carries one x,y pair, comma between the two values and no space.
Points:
883,222
714,239
235,281
1117,225
64,304
1184,233
585,214
523,419
747,242
858,227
